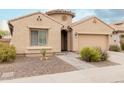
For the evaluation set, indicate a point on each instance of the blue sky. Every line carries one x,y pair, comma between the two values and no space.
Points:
107,15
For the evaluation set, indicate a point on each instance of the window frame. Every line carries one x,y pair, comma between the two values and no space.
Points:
37,30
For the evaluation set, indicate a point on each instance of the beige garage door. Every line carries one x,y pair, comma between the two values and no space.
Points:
93,41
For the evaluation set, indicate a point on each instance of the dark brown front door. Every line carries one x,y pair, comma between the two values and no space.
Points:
63,40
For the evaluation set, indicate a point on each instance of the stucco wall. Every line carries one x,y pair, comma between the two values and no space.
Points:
89,27
115,39
21,33
59,17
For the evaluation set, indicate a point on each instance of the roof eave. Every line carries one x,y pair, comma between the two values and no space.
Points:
34,14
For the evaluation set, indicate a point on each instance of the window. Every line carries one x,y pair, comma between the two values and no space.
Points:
38,37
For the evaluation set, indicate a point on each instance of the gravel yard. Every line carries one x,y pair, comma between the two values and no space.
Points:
33,66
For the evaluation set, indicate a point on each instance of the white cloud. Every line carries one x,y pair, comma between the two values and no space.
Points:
83,13
107,15
4,25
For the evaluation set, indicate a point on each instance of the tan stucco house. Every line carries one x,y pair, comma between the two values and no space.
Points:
118,33
55,31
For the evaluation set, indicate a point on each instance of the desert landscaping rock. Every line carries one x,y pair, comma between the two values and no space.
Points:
33,66
7,74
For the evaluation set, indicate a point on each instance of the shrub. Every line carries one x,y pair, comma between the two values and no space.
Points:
90,54
7,53
122,45
93,54
3,33
104,55
115,48
43,52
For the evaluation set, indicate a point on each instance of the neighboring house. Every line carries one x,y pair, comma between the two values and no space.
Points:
118,34
55,32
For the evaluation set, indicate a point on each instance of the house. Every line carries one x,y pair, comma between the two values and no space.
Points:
55,31
118,33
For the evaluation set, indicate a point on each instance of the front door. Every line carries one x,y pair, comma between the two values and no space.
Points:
63,40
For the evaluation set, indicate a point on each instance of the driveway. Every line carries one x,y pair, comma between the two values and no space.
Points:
117,57
93,75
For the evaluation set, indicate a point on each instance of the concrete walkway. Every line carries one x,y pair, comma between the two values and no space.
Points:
92,75
72,59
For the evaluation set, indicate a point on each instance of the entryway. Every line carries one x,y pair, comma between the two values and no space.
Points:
64,40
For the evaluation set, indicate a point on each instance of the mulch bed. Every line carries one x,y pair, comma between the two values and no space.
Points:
33,66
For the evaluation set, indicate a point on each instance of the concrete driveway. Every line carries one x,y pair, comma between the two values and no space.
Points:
116,57
92,75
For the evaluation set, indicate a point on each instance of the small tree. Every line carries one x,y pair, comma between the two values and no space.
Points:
3,33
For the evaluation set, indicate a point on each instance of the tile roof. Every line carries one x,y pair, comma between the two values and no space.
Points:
118,26
60,11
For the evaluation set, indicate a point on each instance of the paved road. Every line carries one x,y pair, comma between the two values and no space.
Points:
92,75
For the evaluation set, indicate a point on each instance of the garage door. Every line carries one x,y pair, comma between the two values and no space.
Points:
93,41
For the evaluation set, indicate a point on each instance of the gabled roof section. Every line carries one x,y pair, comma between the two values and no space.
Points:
89,18
19,18
118,22
81,21
117,27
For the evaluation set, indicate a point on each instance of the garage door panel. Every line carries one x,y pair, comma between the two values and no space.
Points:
93,41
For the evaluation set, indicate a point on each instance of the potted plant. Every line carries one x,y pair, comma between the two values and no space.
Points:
2,33
43,52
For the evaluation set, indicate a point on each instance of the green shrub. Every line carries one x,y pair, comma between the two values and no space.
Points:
90,54
3,33
104,55
115,48
43,52
93,54
122,45
7,53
